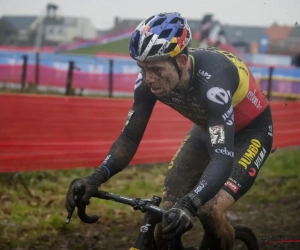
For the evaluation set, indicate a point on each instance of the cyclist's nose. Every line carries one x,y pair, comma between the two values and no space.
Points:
149,79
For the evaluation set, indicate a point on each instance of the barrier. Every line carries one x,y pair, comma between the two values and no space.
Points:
47,132
105,73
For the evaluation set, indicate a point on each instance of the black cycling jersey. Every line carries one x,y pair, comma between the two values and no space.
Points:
222,98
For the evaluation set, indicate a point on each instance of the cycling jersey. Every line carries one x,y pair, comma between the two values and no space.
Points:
221,98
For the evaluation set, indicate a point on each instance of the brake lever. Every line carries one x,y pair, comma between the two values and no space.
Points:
84,217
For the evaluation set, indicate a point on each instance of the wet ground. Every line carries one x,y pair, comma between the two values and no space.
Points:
271,221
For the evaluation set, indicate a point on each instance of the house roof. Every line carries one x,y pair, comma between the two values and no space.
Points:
20,22
276,32
248,34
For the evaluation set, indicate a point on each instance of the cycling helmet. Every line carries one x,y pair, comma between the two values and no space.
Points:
160,37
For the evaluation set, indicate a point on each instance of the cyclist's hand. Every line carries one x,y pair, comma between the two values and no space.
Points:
79,194
175,222
82,189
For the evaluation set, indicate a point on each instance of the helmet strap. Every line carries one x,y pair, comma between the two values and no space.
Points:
179,71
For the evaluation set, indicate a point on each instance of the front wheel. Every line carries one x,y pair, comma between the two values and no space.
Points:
247,236
244,236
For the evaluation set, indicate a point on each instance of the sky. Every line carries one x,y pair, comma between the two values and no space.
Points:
102,12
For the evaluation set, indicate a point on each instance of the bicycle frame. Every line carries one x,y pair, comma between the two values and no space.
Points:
153,215
145,239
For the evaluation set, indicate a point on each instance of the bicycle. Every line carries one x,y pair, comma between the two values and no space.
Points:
153,215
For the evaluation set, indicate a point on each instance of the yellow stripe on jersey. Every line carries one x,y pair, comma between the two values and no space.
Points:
243,72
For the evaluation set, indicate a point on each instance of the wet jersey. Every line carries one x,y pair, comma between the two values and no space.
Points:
218,78
221,97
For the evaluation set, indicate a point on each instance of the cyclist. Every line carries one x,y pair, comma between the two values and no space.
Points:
231,137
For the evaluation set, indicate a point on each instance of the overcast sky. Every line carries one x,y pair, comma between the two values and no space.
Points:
102,12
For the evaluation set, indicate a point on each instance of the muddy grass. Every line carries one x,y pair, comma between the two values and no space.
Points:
36,220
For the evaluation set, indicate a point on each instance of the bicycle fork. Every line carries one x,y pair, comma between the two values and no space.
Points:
145,239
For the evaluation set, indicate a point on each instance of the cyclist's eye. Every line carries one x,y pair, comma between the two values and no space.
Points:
157,72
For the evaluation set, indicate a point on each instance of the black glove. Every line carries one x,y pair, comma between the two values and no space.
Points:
89,186
178,219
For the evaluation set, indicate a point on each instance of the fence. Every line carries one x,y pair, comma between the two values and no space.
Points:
42,132
84,74
112,76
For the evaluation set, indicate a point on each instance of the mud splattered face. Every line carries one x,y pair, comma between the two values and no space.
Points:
160,76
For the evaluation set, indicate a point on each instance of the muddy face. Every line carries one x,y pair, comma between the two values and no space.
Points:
160,76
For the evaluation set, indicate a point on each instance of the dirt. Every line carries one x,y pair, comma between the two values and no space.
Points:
271,221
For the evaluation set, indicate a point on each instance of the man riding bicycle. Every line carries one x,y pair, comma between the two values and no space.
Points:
220,157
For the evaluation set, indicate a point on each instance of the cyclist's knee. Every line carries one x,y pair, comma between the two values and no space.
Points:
209,214
219,232
214,211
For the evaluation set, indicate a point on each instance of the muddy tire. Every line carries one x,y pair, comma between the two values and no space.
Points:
247,236
243,234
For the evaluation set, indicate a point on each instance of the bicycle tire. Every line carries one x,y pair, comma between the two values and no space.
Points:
246,235
242,233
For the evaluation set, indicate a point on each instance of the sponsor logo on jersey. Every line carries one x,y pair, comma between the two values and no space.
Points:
201,185
260,158
252,172
250,154
224,151
217,134
251,96
270,133
106,159
228,116
218,95
203,74
232,186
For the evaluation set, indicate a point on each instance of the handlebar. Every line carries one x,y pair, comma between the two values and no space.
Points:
144,205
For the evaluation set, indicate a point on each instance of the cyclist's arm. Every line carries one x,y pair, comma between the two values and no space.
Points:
217,98
126,145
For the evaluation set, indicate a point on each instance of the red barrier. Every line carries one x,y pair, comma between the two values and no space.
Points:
47,132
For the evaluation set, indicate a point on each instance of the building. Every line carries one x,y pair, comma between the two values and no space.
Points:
61,30
245,38
48,30
278,38
16,30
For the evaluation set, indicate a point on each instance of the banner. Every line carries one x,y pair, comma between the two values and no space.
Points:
51,132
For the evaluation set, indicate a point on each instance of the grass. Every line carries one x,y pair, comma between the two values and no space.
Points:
120,46
32,203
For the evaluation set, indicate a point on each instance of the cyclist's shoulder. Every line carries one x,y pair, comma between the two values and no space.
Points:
209,62
215,56
210,52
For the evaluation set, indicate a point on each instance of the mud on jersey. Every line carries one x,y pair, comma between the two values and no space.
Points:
221,97
219,77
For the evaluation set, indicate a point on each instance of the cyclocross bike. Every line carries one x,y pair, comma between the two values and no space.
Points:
153,215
